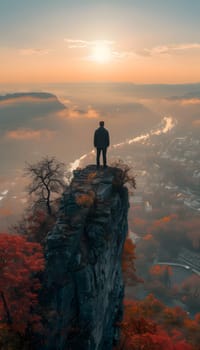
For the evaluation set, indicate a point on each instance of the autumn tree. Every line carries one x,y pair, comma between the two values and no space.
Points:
163,273
146,250
170,233
193,232
47,177
140,225
127,176
128,263
20,261
34,225
190,290
149,324
159,282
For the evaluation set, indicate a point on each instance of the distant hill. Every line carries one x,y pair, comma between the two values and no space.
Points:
36,95
18,109
28,121
188,96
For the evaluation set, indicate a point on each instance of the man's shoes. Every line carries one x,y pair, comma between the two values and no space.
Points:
99,166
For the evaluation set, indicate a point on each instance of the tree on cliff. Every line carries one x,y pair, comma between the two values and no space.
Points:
126,176
47,182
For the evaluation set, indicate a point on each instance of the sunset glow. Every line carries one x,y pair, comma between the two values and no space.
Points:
101,53
115,41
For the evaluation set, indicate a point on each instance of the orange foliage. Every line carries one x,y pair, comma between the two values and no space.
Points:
160,270
146,249
140,225
35,226
128,259
148,237
91,176
86,199
164,220
5,211
150,325
193,232
191,292
19,262
192,285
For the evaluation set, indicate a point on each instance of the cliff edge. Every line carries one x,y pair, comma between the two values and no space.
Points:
84,252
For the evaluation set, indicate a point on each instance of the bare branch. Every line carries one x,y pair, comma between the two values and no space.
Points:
47,180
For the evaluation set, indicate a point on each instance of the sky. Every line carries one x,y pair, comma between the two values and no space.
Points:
138,41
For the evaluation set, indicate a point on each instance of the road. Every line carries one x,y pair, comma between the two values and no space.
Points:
187,267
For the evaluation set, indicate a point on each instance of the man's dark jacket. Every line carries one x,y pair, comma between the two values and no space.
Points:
101,138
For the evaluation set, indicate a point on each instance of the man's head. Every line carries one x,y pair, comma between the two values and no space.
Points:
101,123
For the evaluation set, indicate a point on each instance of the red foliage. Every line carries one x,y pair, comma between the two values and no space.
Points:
150,325
35,226
140,225
160,270
193,232
128,266
19,262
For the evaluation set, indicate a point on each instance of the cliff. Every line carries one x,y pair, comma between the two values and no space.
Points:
84,250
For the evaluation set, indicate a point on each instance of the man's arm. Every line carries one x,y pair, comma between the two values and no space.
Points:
95,139
108,139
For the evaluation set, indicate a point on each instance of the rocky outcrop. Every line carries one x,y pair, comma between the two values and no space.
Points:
84,251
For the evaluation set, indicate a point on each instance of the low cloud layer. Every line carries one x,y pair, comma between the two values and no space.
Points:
29,134
169,49
31,129
33,52
77,112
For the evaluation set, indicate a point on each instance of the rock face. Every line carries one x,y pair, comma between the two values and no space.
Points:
84,251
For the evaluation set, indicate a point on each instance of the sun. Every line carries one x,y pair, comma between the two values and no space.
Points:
101,53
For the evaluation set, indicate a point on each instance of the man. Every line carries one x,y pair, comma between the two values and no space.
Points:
101,142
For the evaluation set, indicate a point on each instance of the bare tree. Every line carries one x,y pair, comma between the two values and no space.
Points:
47,181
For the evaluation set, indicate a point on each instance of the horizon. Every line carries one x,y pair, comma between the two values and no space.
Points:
141,89
100,82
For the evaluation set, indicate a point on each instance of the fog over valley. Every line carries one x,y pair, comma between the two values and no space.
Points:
61,123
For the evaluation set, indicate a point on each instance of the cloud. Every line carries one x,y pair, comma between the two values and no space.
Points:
123,54
119,54
75,112
159,50
92,113
196,122
79,44
33,52
191,101
107,45
76,44
187,99
168,49
29,134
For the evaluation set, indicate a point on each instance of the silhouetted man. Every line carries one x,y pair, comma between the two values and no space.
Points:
101,142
